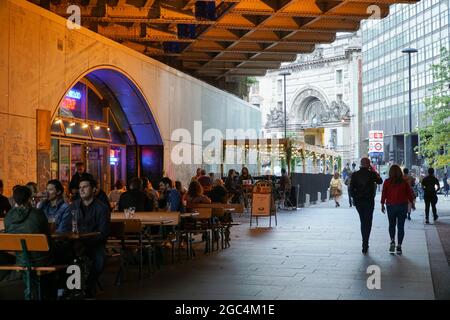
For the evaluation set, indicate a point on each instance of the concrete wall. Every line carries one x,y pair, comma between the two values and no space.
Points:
40,59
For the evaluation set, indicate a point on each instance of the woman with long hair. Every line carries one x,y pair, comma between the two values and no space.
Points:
232,186
396,195
336,188
195,194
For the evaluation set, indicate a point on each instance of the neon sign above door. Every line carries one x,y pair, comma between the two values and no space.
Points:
69,104
74,94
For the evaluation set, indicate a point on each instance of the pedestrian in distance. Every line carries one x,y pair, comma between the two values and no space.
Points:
446,185
336,188
411,181
430,194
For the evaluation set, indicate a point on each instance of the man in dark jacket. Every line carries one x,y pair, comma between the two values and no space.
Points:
363,190
135,197
92,215
25,219
76,178
429,184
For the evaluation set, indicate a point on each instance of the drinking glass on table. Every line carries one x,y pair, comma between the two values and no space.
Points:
126,211
74,221
52,224
132,210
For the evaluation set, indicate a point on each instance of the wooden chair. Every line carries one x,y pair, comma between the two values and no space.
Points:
130,235
159,241
219,209
200,224
116,235
26,243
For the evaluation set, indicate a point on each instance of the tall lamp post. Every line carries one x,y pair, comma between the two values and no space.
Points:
408,138
284,74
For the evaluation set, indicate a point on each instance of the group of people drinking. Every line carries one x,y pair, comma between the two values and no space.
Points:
87,208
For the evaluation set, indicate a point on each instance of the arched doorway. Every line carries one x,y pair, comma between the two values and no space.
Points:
105,122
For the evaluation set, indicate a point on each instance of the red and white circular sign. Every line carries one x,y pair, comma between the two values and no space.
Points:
378,146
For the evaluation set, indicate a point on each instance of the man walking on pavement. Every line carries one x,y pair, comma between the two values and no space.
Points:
428,184
363,190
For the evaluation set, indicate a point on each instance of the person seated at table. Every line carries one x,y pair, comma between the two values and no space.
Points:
23,218
36,196
245,175
169,197
245,179
232,187
219,193
76,178
135,197
182,191
11,198
101,195
5,206
205,180
151,193
92,216
55,208
195,194
114,195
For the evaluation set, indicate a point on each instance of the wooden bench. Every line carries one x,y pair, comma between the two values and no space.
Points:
26,243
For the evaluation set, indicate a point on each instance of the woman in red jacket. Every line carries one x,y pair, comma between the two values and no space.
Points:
397,193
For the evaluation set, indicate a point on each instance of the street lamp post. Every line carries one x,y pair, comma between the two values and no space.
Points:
284,74
408,137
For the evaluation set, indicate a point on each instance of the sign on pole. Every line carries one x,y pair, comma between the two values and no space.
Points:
376,144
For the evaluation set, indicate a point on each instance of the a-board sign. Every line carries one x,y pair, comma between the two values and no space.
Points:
261,204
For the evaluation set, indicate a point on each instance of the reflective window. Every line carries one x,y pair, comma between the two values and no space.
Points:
76,129
100,132
95,107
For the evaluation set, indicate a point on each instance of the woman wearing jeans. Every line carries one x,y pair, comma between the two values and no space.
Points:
397,193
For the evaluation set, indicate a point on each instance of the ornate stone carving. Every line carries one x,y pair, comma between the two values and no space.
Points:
339,110
317,54
275,118
311,109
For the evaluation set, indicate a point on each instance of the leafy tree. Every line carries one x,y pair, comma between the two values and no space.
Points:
435,137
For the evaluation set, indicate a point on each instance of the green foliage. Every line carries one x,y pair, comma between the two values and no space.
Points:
250,81
434,138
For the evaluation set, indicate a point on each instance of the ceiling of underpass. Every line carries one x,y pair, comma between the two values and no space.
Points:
220,41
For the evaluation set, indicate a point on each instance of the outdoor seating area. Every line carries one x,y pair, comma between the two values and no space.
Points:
125,238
